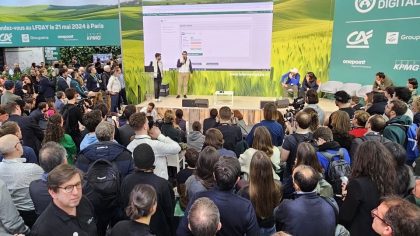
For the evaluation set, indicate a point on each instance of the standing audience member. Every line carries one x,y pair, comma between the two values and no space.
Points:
126,132
90,120
214,138
17,176
232,134
161,221
195,139
342,101
72,114
11,127
204,218
51,155
211,122
114,88
275,129
46,87
191,157
141,207
69,213
340,126
373,176
395,130
263,191
162,146
289,148
242,220
359,122
32,134
403,94
39,115
8,94
10,221
378,104
396,217
293,216
60,101
202,178
55,133
261,142
312,100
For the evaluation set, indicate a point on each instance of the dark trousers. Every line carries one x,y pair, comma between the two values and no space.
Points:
158,84
123,97
29,217
114,102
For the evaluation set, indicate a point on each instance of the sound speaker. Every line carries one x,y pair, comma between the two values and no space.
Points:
202,103
263,103
188,102
282,103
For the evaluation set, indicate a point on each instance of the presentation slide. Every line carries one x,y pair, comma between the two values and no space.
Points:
232,36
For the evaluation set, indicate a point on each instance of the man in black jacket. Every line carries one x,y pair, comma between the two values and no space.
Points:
73,114
113,152
32,134
144,157
232,134
62,84
51,155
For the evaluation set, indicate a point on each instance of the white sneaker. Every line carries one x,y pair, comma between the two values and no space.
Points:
159,100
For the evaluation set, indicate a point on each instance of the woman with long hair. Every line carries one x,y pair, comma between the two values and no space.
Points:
373,177
203,178
55,133
261,142
306,155
405,176
141,208
340,126
264,192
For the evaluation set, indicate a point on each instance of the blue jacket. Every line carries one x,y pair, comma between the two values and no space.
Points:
293,81
276,131
46,88
237,214
308,215
88,140
109,151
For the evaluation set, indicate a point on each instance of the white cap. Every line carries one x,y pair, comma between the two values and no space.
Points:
294,70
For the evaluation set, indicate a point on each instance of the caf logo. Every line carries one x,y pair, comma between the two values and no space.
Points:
364,6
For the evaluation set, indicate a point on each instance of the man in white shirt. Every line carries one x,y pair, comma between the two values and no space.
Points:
184,66
150,111
162,146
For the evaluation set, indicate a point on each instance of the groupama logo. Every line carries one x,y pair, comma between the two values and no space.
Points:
364,6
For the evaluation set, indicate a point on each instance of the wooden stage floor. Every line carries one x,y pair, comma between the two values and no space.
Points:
248,106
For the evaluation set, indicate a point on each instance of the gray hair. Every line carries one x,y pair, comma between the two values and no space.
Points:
105,131
204,217
51,155
8,143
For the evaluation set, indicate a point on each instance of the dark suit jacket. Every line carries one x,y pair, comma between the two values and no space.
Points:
209,123
46,88
362,197
62,84
308,214
32,134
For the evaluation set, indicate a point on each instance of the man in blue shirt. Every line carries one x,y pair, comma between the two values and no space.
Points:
291,81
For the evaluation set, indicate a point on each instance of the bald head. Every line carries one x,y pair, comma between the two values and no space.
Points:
107,68
305,178
204,217
8,146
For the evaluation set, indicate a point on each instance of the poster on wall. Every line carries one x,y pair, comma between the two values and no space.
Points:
63,23
376,35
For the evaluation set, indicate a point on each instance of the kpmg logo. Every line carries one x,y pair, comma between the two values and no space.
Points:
359,39
364,6
6,38
407,65
392,37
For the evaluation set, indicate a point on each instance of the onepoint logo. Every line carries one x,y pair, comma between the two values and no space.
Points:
6,38
392,37
359,39
364,6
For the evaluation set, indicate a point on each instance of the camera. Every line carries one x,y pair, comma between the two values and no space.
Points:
298,104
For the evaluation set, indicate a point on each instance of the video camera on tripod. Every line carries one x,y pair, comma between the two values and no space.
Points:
298,104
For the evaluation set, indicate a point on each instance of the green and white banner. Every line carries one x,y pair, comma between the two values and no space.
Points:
60,33
376,35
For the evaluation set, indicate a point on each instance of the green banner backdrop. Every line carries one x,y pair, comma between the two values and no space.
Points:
376,35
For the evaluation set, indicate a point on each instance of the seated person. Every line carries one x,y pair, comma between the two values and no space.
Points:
381,82
195,139
291,80
191,157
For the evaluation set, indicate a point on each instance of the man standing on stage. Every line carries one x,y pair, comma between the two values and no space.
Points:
157,74
185,69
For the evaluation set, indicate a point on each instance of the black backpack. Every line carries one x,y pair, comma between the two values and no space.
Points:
102,184
337,168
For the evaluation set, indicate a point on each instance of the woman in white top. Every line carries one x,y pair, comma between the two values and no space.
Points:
114,88
261,142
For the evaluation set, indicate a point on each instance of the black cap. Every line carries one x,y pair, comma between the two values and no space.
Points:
342,96
144,157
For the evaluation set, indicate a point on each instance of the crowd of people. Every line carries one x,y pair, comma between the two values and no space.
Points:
71,164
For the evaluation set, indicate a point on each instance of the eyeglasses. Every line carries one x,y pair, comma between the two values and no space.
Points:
374,214
70,188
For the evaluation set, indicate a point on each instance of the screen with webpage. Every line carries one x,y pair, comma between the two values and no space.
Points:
230,36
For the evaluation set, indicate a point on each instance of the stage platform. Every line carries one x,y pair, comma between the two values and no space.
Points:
248,106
